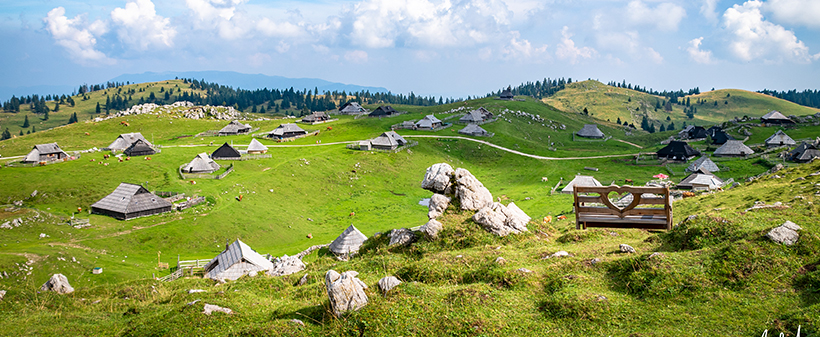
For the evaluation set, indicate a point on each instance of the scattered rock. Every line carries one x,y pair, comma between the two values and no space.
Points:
625,248
17,222
43,235
595,261
438,203
601,298
431,228
188,304
438,178
345,291
58,283
785,234
524,270
34,194
194,291
389,282
210,308
655,255
559,253
6,225
401,237
286,265
501,220
470,192
297,322
500,260
303,280
2,294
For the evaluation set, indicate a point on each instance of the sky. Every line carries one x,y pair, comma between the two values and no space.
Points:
450,48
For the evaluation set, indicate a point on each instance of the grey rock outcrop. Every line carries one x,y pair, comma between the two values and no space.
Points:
438,203
388,283
431,229
438,178
625,248
502,220
286,265
401,237
210,308
2,294
345,291
785,234
471,193
59,284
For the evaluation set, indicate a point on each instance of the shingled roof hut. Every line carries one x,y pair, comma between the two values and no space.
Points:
775,117
125,141
352,108
383,111
287,130
348,242
473,130
590,131
733,148
139,148
701,179
720,137
780,138
479,115
703,163
201,164
429,122
677,150
697,132
235,128
389,140
130,201
580,181
315,117
256,147
804,152
45,153
237,260
226,151
506,94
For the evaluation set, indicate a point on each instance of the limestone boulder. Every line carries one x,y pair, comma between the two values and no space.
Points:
516,218
401,237
388,283
59,284
210,308
625,248
431,229
785,234
501,220
438,178
287,265
438,203
471,193
2,294
345,291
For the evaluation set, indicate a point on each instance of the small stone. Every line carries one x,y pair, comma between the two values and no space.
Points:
2,294
431,229
595,261
784,234
601,298
210,308
524,270
613,233
627,249
286,265
303,280
500,260
791,225
59,284
188,304
297,322
194,291
388,283
559,253
655,255
401,237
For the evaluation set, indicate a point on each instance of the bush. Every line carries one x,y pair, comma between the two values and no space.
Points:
646,278
701,232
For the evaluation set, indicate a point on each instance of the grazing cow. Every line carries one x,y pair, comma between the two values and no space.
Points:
544,179
628,181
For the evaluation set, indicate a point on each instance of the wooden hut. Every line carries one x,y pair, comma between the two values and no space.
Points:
139,148
590,131
703,163
287,130
677,150
125,141
352,108
479,115
226,151
580,181
130,201
235,128
775,117
804,152
780,138
733,148
389,140
701,179
45,153
256,147
429,122
201,164
383,111
506,94
474,130
697,132
348,242
720,137
237,260
315,117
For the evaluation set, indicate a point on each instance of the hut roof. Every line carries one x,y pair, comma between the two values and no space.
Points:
472,129
428,121
703,163
720,137
506,93
255,145
734,148
351,107
804,152
125,140
477,115
316,116
348,242
43,149
580,181
201,163
677,149
139,148
775,115
281,130
226,151
590,131
130,198
697,132
234,253
384,110
235,127
388,139
701,177
780,138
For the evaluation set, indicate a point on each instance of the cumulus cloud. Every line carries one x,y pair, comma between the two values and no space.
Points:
666,16
279,29
356,56
76,36
221,15
698,55
755,38
707,9
518,48
795,12
628,43
566,49
140,27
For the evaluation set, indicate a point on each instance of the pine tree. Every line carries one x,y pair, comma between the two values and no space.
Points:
662,129
57,106
98,109
33,129
6,134
45,115
21,132
25,122
671,126
619,121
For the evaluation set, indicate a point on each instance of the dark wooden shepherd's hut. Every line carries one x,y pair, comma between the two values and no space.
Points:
677,151
130,201
383,111
226,152
45,153
139,148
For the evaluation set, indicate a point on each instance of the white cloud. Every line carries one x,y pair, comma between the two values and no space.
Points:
140,27
627,43
755,38
259,59
666,16
522,49
222,16
698,55
356,56
653,55
708,10
566,49
796,12
279,29
79,41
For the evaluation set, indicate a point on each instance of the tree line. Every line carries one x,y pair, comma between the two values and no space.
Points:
809,98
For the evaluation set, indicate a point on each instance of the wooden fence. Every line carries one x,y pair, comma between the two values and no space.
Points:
190,203
355,146
290,139
186,176
43,163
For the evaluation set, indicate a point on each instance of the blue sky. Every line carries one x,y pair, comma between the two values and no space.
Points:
432,47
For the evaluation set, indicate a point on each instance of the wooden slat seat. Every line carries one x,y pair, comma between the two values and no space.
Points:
594,209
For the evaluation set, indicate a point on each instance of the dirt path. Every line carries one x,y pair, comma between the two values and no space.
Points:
522,153
633,144
127,231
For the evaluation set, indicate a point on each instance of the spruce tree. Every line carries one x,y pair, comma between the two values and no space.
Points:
21,132
98,110
25,122
6,134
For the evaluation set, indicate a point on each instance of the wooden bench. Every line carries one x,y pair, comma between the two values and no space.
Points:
603,213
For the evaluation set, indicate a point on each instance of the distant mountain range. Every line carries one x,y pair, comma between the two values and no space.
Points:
247,81
228,78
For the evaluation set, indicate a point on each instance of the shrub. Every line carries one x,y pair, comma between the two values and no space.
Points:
701,232
646,278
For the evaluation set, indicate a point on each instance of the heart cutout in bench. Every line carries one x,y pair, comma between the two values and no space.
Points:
618,192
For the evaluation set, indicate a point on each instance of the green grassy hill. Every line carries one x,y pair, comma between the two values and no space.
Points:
311,186
610,103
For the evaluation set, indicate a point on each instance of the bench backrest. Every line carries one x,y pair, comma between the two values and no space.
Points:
660,196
